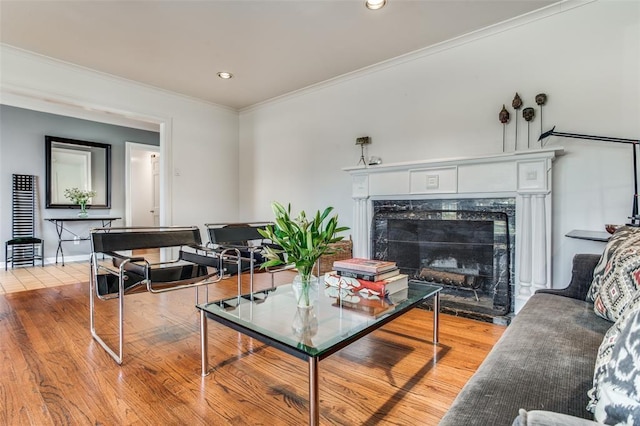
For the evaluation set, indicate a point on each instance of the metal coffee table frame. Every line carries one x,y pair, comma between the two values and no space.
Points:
220,311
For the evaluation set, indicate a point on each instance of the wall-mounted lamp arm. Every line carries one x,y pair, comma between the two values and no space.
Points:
552,132
635,219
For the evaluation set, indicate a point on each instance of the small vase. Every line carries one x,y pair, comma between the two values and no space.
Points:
305,291
83,210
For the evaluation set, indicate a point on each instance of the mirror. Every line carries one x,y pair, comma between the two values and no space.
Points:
78,164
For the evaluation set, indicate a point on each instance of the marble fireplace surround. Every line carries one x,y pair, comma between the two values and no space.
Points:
524,175
467,244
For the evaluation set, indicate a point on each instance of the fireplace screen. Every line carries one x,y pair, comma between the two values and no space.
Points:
466,251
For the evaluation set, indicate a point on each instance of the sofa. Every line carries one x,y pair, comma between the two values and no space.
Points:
541,371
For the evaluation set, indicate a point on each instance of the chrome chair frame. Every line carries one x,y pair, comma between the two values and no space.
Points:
110,241
225,236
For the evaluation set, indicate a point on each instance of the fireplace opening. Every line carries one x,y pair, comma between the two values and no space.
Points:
467,251
455,253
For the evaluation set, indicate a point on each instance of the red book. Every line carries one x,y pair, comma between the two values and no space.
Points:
365,265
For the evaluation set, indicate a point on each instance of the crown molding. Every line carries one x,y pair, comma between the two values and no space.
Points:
453,43
114,79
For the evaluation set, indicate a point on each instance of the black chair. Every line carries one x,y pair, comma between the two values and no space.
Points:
245,238
121,273
26,248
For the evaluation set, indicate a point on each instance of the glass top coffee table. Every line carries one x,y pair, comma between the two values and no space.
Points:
311,334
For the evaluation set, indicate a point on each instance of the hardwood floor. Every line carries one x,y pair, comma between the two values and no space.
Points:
52,372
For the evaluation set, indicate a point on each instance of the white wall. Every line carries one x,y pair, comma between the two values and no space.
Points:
444,102
198,139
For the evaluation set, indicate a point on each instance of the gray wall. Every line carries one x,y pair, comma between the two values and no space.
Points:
22,135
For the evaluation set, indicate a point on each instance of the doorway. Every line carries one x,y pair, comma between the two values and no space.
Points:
142,184
76,106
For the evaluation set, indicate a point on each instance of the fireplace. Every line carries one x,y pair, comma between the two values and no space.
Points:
465,245
444,190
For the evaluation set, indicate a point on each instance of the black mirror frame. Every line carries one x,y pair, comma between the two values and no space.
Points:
48,140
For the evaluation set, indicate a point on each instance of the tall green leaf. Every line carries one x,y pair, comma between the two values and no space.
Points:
303,240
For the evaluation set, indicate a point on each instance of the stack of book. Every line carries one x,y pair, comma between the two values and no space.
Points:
379,277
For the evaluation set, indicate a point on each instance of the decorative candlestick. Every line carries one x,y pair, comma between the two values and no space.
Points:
528,114
516,104
365,140
504,119
541,99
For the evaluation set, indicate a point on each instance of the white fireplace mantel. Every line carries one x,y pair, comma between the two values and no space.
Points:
525,175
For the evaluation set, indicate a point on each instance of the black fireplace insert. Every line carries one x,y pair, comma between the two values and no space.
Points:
467,247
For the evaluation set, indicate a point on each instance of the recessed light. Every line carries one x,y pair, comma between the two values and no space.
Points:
225,75
375,4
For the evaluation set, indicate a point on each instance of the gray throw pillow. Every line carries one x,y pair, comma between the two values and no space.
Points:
619,283
619,389
624,236
605,351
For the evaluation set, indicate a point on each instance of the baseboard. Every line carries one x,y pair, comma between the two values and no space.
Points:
52,260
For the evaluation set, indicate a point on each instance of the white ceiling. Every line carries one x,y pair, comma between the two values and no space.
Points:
271,47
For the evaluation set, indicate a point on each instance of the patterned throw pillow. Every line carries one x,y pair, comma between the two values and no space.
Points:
619,402
603,358
620,281
607,346
623,237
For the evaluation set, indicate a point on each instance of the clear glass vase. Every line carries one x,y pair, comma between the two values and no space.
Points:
83,210
305,290
305,325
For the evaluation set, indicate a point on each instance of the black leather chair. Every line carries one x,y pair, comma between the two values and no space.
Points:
121,273
245,238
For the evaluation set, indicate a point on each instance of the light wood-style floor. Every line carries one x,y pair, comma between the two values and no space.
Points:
20,279
52,372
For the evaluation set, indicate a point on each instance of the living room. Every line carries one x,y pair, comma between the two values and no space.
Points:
220,164
412,109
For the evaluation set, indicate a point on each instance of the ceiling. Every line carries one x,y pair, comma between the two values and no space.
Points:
271,47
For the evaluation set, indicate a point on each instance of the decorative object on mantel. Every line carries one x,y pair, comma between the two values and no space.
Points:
365,140
516,103
303,241
541,100
504,119
374,161
528,114
80,197
635,218
611,228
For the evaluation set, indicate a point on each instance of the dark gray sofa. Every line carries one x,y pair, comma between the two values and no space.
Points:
543,362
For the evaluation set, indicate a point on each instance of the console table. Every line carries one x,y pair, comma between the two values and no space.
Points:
60,222
580,234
